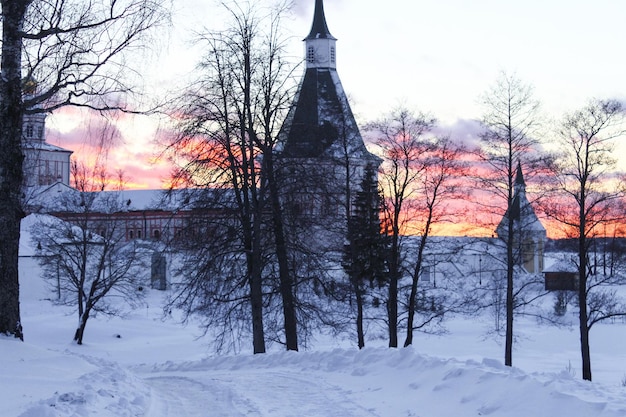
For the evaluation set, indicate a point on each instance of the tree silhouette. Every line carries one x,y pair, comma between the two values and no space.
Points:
366,252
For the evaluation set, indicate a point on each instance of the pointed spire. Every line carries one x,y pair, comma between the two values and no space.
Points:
519,177
319,30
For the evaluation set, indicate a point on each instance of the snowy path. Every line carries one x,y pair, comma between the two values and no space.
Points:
248,393
183,396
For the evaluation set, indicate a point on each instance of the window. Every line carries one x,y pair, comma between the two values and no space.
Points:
131,235
29,131
39,132
310,54
332,55
138,234
156,234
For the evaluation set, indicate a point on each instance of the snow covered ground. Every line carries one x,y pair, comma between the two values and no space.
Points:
144,366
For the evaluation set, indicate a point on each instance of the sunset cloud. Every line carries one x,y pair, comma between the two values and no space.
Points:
124,143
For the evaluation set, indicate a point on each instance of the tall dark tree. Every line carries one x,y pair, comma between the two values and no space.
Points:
275,94
226,133
11,158
74,51
366,252
591,196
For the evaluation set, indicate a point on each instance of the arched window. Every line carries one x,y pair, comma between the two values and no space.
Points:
131,235
138,233
157,234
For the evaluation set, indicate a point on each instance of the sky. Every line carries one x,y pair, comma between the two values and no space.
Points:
145,364
432,56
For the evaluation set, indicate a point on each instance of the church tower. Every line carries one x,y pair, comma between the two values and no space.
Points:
529,234
44,164
320,149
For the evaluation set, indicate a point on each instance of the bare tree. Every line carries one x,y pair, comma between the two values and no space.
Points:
75,51
400,137
227,133
84,251
418,178
436,186
510,121
591,196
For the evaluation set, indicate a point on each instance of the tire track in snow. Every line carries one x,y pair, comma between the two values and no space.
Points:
285,394
253,393
182,396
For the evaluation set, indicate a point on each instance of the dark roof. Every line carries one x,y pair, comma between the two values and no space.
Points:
515,210
319,28
309,136
520,209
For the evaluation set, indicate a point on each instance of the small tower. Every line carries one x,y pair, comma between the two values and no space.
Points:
44,164
529,234
320,150
320,44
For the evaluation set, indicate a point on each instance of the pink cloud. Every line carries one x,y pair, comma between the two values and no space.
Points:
93,136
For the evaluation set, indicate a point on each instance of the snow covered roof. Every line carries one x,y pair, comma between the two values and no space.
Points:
45,146
562,263
53,198
142,199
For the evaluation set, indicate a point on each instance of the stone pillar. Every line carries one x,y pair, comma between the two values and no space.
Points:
158,279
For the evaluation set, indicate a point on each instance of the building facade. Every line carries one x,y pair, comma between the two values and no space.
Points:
44,164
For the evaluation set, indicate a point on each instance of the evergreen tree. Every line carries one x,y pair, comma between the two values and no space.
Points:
366,251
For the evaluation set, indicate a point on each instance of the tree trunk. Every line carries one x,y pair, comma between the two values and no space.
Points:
80,330
392,311
392,302
256,302
359,316
414,283
510,265
510,260
412,305
411,316
413,296
286,282
11,111
582,296
508,347
584,338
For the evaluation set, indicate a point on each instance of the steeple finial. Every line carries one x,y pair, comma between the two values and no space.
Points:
319,30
